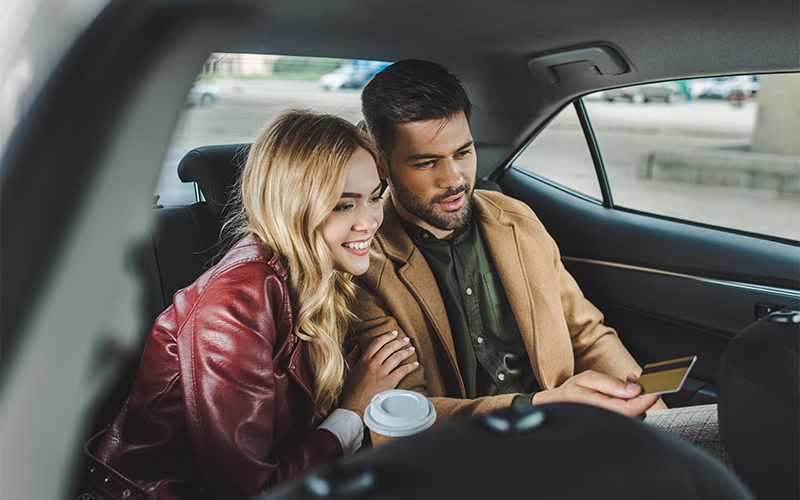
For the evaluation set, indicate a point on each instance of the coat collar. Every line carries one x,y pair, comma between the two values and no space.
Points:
500,233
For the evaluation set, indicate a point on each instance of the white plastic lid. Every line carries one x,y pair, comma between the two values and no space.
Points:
398,413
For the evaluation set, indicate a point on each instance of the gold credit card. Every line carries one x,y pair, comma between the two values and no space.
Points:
665,376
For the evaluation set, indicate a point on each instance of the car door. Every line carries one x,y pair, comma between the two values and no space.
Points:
676,279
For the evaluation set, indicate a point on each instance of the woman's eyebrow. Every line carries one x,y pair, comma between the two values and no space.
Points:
358,195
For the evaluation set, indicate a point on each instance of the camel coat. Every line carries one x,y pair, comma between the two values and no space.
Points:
563,332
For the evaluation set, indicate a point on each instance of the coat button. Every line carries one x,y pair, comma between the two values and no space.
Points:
106,479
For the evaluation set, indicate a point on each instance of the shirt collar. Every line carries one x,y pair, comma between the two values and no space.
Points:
420,235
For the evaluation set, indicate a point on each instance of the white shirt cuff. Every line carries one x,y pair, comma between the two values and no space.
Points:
347,426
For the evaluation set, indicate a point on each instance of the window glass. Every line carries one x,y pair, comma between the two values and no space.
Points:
236,94
560,153
721,151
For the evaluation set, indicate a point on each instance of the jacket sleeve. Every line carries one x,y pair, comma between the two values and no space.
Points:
229,376
375,318
595,345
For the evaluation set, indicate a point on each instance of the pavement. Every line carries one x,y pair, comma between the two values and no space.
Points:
652,152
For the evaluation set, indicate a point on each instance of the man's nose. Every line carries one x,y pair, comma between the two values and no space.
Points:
449,174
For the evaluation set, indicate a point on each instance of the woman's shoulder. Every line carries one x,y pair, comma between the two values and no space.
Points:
250,268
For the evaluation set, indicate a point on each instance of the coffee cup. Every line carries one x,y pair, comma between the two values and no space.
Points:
398,413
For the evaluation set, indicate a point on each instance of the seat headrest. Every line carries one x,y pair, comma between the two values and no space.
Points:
215,169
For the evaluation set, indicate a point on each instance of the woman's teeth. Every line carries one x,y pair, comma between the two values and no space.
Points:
358,245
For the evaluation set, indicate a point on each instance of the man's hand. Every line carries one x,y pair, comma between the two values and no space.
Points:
601,390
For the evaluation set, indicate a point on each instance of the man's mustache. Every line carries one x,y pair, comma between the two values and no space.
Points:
450,193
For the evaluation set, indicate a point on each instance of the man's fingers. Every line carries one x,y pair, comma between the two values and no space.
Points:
608,385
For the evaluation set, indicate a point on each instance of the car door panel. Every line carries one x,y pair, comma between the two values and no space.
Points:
670,288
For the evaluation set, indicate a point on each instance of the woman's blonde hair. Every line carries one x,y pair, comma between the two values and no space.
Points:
293,179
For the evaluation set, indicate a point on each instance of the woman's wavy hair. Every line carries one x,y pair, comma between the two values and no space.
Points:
293,179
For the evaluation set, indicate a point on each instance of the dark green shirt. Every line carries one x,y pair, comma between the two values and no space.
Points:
491,356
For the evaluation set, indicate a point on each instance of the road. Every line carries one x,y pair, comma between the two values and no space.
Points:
626,133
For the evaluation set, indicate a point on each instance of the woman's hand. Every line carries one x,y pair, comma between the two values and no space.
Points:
377,370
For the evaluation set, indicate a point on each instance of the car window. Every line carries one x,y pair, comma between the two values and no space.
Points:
720,151
559,153
236,94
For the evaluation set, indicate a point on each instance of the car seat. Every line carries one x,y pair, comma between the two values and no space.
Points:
759,409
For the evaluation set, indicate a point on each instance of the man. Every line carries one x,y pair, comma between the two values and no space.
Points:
471,277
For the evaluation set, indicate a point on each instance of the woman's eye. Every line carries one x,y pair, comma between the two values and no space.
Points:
343,207
376,199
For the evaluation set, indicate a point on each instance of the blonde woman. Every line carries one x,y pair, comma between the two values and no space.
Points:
240,376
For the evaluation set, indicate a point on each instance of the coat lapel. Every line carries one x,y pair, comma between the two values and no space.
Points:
502,238
417,276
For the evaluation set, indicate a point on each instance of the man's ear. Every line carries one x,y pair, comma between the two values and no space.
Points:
383,166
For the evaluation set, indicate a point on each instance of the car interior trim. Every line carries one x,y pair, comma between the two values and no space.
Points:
784,292
594,149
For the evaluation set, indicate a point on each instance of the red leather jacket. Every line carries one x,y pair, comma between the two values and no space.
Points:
222,403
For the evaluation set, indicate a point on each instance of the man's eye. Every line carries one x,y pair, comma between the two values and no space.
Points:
425,164
465,153
342,207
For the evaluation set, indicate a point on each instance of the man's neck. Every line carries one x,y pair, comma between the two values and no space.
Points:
405,214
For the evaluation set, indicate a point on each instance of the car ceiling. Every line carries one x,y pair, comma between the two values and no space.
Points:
488,46
88,151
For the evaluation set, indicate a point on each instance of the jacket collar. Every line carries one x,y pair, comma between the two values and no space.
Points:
500,232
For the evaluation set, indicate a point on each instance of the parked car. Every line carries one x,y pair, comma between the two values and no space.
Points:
103,86
346,77
725,87
664,91
203,93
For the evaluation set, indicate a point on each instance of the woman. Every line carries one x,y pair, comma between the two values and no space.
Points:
239,376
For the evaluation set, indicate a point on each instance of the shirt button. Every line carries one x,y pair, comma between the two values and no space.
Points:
480,340
469,291
501,376
425,235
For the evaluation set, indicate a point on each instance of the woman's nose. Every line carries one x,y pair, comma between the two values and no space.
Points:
366,220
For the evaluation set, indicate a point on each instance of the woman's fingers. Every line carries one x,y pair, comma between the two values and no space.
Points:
392,347
352,357
378,343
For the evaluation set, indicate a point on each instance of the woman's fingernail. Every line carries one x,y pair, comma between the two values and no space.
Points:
411,348
406,339
394,333
416,363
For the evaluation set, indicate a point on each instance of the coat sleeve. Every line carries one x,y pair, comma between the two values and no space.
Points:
429,379
595,346
226,355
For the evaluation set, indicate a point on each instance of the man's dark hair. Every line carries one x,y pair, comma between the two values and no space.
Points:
410,91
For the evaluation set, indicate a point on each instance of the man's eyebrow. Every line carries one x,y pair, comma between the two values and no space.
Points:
358,195
424,156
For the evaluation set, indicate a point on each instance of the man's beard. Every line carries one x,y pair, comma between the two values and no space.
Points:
432,214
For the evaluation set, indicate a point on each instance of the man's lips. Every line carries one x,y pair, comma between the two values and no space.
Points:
452,203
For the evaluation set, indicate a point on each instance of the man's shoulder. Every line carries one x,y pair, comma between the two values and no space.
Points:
498,206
